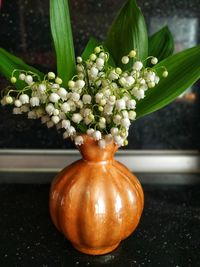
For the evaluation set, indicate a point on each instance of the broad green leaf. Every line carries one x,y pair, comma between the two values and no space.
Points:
128,31
6,69
161,44
89,49
9,62
20,63
63,39
184,70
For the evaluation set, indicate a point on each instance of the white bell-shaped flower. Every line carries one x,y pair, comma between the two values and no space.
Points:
77,118
96,135
50,108
78,140
54,97
66,124
65,107
34,101
24,99
87,99
120,104
131,104
102,143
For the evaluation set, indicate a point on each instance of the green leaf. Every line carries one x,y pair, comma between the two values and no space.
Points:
89,49
184,71
9,62
20,63
128,31
63,39
161,44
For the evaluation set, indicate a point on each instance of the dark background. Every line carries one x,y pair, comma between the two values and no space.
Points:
25,31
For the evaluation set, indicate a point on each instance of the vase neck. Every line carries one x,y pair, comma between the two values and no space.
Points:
91,151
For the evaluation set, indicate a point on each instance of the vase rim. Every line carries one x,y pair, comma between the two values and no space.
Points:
91,151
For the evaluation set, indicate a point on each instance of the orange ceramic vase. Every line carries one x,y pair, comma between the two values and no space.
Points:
96,202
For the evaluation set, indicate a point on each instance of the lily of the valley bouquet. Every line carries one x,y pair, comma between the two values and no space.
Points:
106,88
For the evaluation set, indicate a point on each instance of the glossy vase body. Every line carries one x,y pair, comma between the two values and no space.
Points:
96,202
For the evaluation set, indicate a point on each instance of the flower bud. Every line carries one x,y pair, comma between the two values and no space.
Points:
132,53
13,80
79,59
56,112
102,102
125,60
71,84
97,50
100,108
8,99
165,74
93,57
154,60
118,71
51,75
58,80
22,76
151,84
